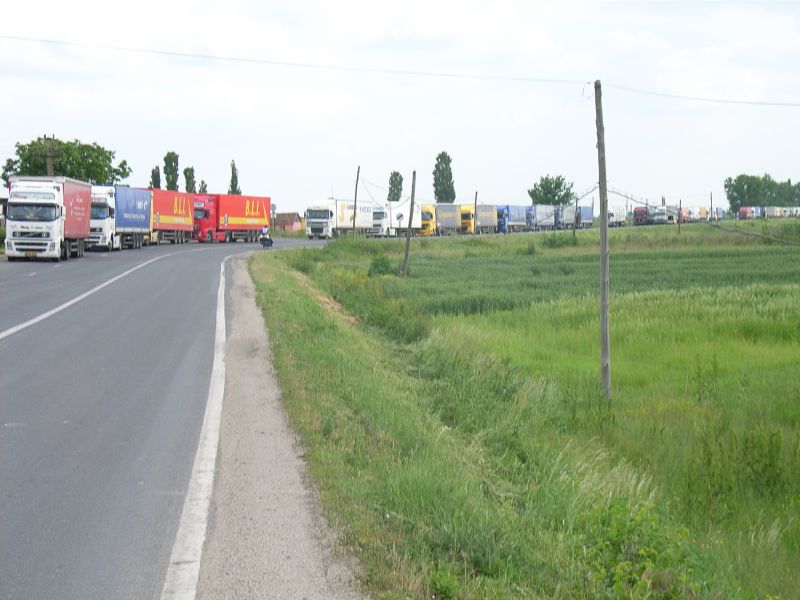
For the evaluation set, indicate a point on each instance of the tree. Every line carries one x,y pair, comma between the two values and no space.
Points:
203,189
155,178
443,188
188,177
395,187
234,186
87,162
760,190
171,172
552,190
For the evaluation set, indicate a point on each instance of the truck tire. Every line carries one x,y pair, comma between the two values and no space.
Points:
65,251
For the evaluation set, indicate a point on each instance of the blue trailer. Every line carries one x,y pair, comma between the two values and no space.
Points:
585,217
120,217
511,218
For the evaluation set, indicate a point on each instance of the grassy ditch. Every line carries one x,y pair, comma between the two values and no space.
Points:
455,431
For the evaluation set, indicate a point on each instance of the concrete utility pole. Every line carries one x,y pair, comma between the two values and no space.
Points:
404,267
50,154
355,200
605,341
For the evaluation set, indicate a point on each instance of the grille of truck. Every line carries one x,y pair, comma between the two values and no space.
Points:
29,246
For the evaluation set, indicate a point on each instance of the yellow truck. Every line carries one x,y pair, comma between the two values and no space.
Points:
428,220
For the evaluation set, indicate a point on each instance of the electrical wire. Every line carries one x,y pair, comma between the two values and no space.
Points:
401,72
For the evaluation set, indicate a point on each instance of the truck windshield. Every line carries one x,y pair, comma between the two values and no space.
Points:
32,196
200,213
99,211
427,216
379,215
318,214
18,211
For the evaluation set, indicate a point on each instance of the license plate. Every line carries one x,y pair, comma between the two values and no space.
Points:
30,254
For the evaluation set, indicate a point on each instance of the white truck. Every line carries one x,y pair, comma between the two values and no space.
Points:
617,216
394,218
330,218
120,217
47,217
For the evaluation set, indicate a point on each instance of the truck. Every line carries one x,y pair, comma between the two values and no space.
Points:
330,218
229,217
448,218
617,217
428,218
120,217
545,217
398,219
171,216
641,215
47,217
511,218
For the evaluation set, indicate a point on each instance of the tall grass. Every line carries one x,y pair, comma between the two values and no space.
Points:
458,433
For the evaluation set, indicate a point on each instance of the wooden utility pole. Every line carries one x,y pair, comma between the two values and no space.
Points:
680,212
404,267
575,218
50,154
605,341
475,215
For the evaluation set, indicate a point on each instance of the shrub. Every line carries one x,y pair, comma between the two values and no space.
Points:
381,265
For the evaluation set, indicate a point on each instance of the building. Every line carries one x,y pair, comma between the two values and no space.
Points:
287,222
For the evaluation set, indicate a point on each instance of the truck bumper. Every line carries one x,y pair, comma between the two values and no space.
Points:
32,249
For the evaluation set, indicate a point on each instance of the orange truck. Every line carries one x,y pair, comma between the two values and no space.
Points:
229,218
171,216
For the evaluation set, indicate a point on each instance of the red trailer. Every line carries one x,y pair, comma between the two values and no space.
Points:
229,218
171,217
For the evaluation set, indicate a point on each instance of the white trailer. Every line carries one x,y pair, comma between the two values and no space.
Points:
331,218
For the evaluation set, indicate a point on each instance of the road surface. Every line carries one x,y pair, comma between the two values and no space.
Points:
101,407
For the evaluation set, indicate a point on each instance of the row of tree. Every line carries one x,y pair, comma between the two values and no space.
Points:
171,175
761,190
549,189
95,164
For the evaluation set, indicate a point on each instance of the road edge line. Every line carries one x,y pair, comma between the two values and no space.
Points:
183,572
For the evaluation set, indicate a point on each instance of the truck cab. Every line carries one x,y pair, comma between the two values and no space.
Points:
467,219
428,220
102,228
204,217
34,221
319,222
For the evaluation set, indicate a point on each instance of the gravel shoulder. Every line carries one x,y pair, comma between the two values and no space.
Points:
266,537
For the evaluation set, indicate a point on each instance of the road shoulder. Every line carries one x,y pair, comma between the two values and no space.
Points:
266,536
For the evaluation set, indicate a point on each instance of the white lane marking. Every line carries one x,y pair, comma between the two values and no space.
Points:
184,564
32,274
58,309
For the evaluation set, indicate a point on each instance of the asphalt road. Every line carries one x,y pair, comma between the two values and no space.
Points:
101,406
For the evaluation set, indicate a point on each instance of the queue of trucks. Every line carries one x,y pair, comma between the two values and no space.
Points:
329,218
59,218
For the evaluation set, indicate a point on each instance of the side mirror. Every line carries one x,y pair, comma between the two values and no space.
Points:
110,212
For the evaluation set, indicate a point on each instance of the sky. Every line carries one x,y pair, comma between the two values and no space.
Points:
331,86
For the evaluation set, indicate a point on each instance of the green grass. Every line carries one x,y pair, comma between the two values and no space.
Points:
458,438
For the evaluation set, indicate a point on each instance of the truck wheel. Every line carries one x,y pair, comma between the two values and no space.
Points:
65,251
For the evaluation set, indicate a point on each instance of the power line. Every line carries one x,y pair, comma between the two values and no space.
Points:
402,72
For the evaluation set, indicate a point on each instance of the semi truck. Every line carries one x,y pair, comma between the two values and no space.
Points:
617,217
47,217
545,217
511,218
448,219
398,218
428,218
171,217
120,217
229,217
478,219
331,218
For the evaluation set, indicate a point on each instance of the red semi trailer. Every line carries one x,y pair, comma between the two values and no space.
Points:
171,217
229,218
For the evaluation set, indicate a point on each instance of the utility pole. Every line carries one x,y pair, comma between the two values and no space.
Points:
711,212
355,200
475,215
575,218
404,267
605,342
50,154
680,211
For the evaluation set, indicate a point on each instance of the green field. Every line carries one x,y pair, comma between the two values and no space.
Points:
458,438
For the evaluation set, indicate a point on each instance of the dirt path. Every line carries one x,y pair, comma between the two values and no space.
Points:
266,537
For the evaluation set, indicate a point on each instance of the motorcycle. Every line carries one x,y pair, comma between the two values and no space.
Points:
265,240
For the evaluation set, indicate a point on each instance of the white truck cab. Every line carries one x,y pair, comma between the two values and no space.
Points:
102,232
